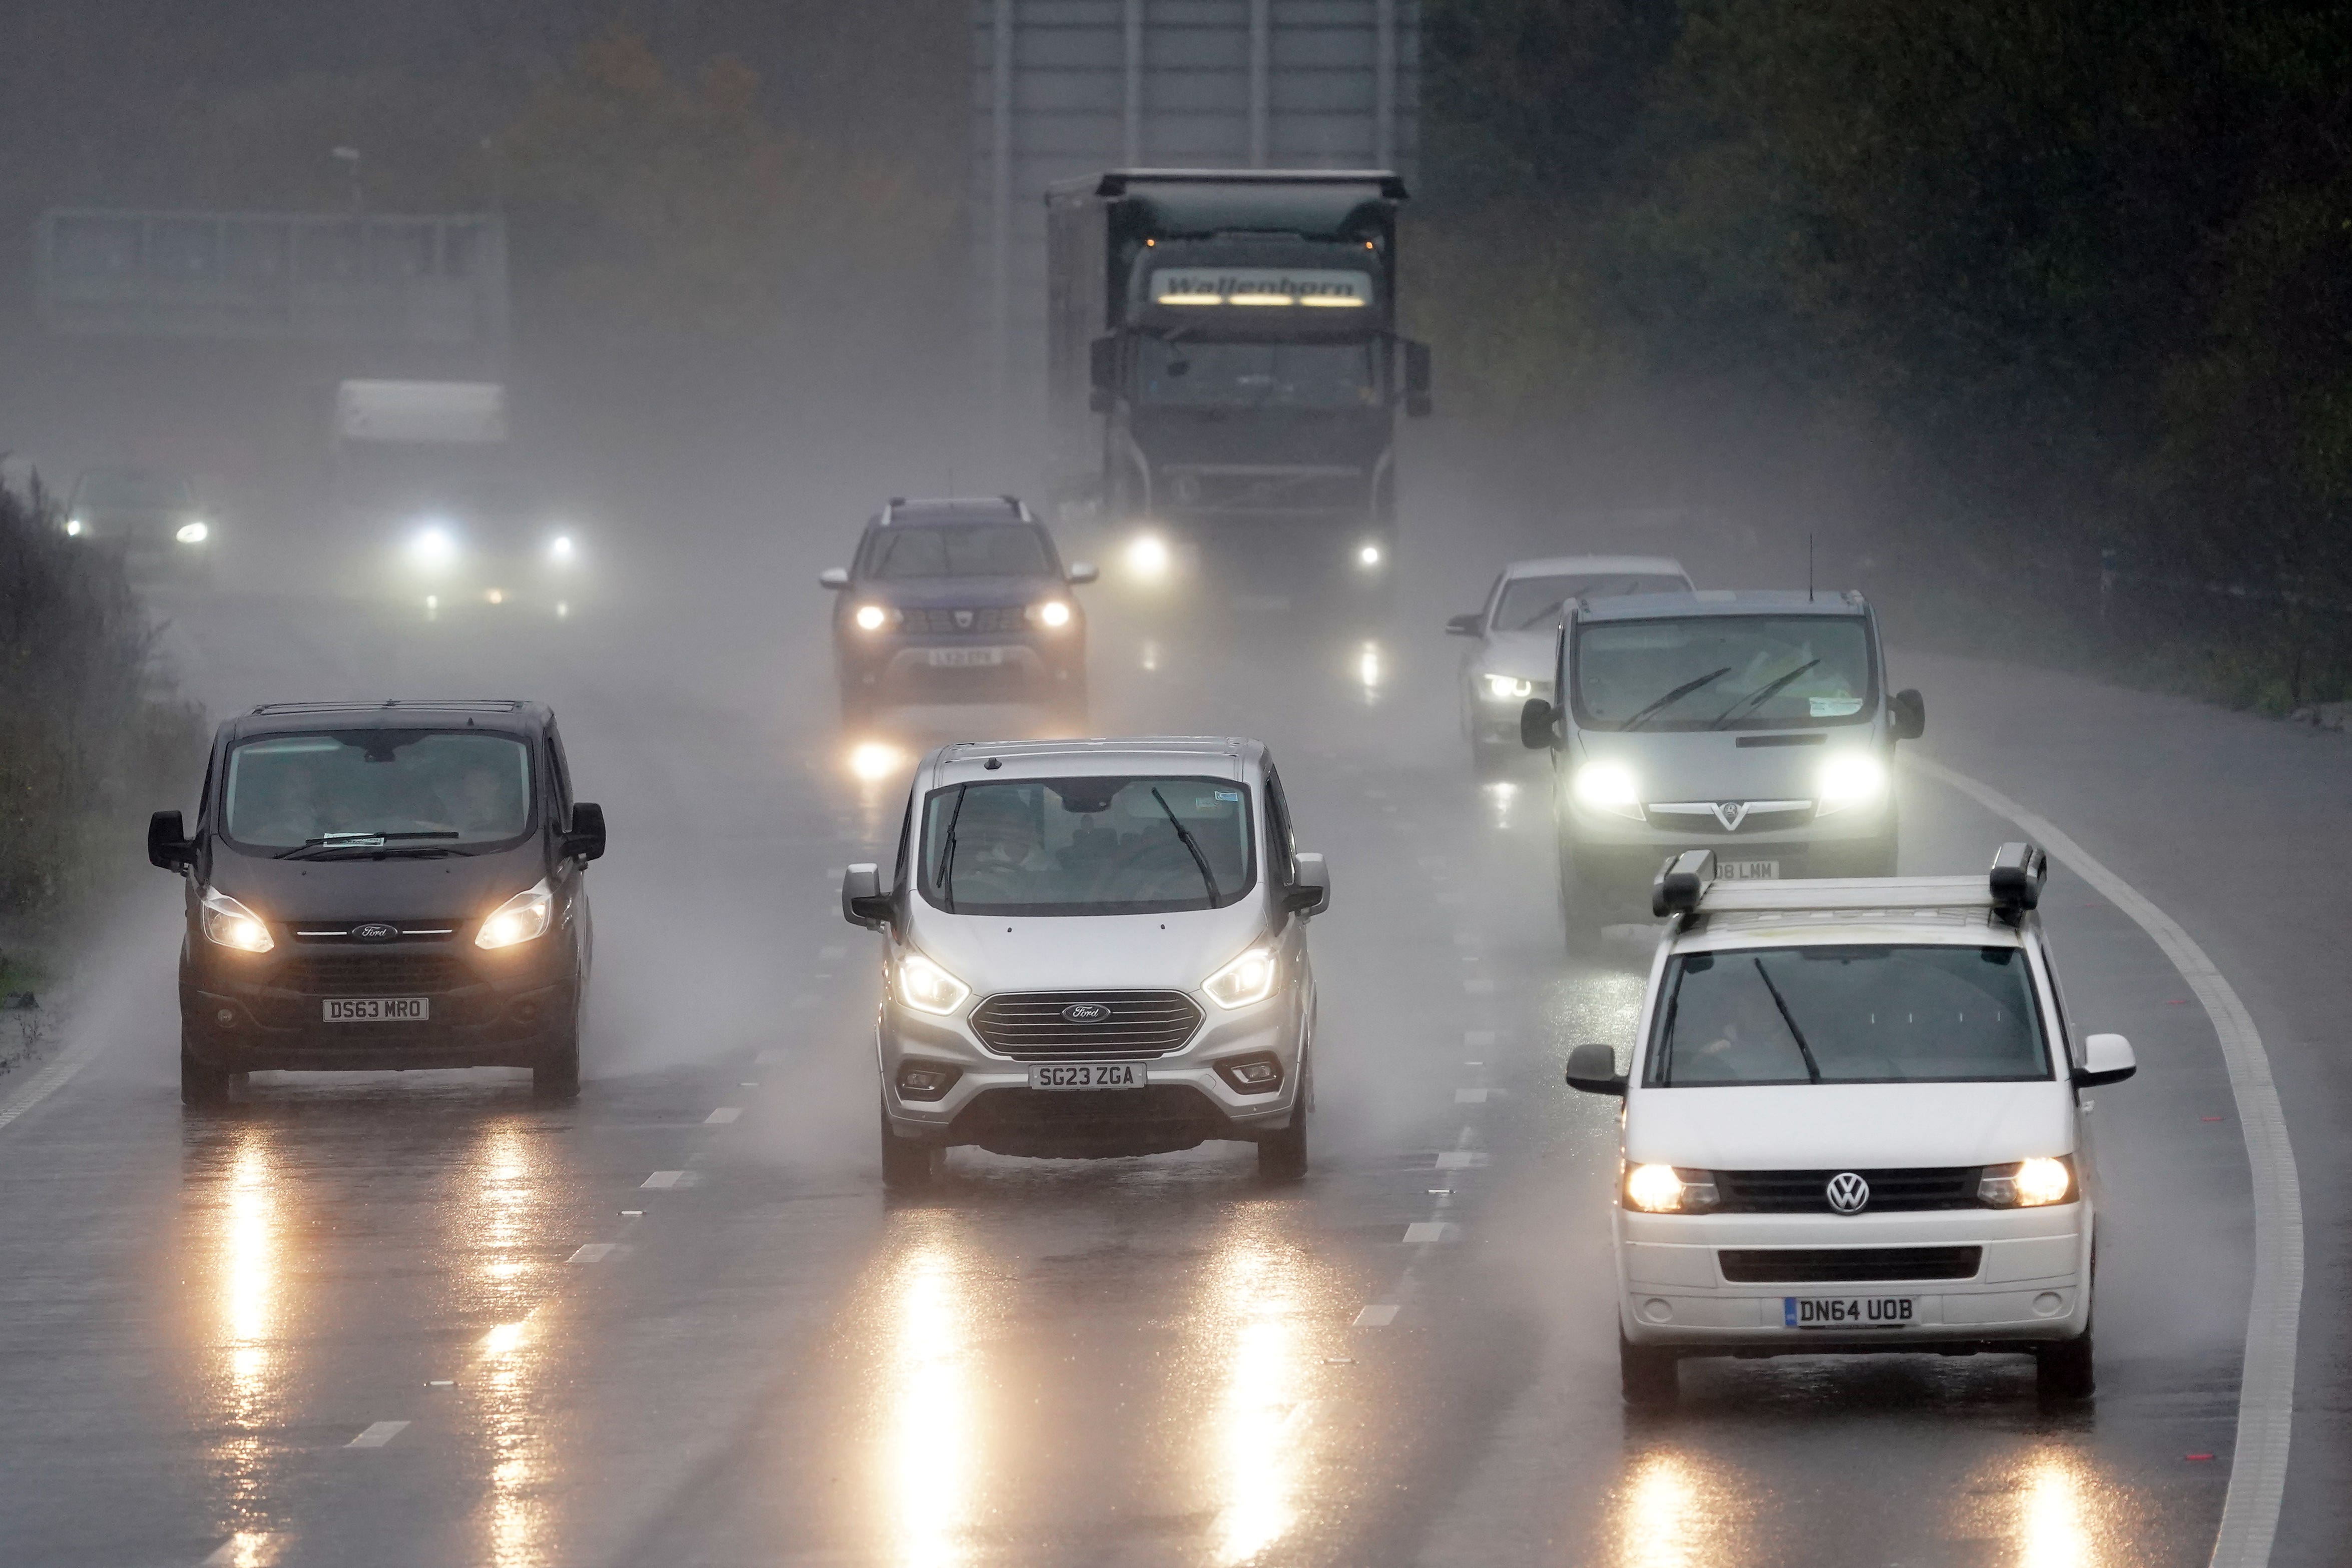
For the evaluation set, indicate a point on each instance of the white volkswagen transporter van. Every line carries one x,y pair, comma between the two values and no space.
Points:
1854,1123
1094,948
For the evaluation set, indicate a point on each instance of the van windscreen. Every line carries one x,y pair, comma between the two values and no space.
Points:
1723,672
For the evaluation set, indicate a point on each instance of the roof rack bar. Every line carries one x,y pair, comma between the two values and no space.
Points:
482,704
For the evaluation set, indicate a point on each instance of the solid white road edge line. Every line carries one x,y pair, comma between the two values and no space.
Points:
2266,1383
51,1078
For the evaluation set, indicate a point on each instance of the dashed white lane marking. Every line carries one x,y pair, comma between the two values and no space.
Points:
724,1114
1469,1096
1378,1317
378,1435
2266,1384
1461,1160
660,1180
598,1251
1477,1039
1422,1232
1478,985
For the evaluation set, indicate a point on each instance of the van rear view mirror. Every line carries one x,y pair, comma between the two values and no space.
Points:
168,848
1910,715
1539,726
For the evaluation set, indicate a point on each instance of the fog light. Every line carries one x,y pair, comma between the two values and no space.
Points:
226,1018
926,1081
1657,1310
2047,1304
526,1012
1259,1073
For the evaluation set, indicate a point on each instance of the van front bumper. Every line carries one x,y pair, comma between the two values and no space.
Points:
2032,1285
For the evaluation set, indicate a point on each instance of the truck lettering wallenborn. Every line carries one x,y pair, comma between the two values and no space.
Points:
1235,331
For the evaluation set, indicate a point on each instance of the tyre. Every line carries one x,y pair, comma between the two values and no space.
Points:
556,1076
1282,1156
907,1166
2064,1372
1650,1376
200,1084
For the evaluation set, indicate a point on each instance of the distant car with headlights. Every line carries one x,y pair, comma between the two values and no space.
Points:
1853,1123
153,516
959,600
1094,948
1515,633
384,886
1755,723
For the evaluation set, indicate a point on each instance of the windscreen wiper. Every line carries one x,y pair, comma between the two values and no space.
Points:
1757,698
947,864
1813,1068
357,841
1199,859
1676,696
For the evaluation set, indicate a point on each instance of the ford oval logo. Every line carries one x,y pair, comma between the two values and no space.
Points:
1087,1012
374,931
1848,1193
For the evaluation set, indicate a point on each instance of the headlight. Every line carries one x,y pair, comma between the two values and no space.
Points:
927,989
1856,779
1506,688
2028,1183
560,550
1053,613
433,547
1664,1190
73,527
1368,556
871,617
1608,786
232,925
1148,557
194,533
518,919
1248,978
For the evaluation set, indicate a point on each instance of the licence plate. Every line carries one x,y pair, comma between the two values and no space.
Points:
966,658
1848,1312
378,1009
1747,871
1088,1075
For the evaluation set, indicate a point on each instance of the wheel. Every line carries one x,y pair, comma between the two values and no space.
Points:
200,1084
556,1077
2064,1372
1650,1376
1282,1156
907,1165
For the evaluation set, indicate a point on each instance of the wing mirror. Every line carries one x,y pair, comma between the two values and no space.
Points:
1082,572
1594,1068
1471,625
2107,1059
863,902
834,577
1539,727
586,837
1309,892
168,848
1910,716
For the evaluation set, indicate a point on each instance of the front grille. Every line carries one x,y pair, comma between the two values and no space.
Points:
1684,818
1807,1192
378,974
1247,489
1034,1026
1842,1265
994,619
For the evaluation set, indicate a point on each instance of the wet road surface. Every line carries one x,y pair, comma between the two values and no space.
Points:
420,1320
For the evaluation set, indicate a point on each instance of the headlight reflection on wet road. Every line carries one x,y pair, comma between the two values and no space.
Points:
505,1383
248,1273
1670,1515
932,1435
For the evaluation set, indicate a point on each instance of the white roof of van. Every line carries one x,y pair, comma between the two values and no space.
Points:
1117,754
1598,565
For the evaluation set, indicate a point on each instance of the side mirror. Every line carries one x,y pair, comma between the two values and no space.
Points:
1102,373
834,577
863,902
1082,572
1416,380
1910,715
1539,726
1594,1068
1310,891
586,837
1471,625
2107,1059
168,848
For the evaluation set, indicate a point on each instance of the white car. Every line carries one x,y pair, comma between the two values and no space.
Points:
1094,948
1853,1123
1518,627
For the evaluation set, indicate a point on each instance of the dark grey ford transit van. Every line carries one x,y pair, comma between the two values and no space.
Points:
373,886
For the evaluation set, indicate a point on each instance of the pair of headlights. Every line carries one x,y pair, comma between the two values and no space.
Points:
1053,614
925,986
2021,1184
229,923
1845,781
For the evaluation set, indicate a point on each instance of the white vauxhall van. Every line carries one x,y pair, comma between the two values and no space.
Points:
1853,1123
1094,948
